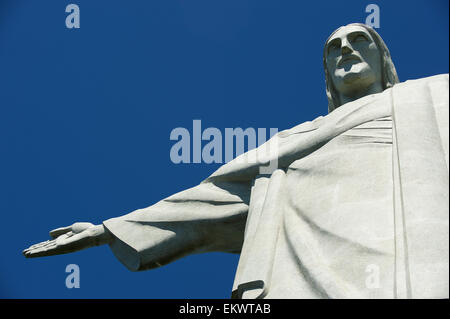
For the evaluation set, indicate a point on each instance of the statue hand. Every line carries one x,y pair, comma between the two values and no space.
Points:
70,239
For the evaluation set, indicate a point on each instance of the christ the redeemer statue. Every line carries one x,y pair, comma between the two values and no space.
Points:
357,207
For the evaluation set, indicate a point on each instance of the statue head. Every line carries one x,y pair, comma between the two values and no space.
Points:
356,63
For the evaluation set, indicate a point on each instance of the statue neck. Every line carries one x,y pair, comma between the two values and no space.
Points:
372,89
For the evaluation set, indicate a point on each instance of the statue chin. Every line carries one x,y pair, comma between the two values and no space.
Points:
357,72
358,78
351,78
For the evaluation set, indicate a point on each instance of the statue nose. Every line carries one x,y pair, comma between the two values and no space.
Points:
346,49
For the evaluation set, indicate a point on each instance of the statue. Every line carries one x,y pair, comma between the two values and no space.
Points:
357,208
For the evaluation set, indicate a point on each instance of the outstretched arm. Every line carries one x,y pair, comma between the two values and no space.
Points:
208,217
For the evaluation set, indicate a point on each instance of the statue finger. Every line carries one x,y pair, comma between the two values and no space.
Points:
59,231
38,245
47,250
41,245
44,244
52,248
81,226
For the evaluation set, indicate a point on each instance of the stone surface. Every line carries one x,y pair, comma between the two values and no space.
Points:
358,207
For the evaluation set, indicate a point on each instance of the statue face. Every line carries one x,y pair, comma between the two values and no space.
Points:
353,60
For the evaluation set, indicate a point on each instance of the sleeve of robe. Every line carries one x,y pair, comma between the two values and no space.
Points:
208,217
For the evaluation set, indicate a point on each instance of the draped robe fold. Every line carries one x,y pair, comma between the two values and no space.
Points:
357,207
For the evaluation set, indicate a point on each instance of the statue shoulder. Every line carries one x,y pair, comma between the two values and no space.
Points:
429,79
302,127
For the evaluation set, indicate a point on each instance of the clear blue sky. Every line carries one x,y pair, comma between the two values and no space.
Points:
86,115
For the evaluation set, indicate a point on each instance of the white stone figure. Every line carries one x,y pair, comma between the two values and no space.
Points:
358,207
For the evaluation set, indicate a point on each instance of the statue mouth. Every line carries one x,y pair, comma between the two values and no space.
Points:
347,59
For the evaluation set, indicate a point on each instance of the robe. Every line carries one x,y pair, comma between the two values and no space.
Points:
356,207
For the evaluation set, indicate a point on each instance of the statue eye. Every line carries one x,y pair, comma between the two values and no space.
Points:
333,46
359,38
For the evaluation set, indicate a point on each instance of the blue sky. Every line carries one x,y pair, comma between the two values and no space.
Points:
86,115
